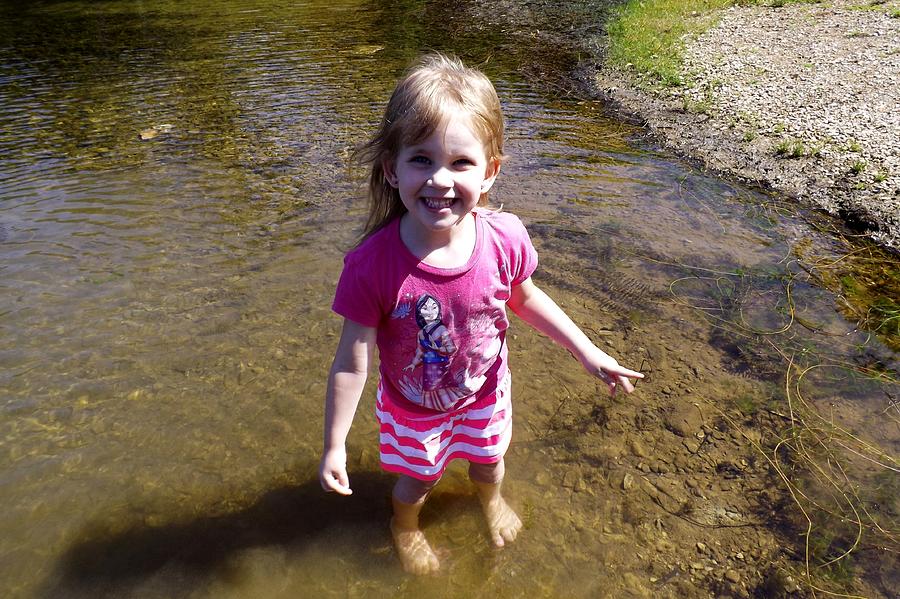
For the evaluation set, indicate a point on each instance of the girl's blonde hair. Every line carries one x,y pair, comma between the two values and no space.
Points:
436,86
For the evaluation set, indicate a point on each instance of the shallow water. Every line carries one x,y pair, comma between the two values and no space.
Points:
165,301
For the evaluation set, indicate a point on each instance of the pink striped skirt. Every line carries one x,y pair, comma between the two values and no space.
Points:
421,445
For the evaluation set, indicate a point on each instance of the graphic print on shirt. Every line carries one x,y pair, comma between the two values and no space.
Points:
431,383
435,345
403,307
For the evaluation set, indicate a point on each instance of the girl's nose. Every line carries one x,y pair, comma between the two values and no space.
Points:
441,178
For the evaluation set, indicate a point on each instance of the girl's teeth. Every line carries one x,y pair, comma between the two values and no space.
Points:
437,203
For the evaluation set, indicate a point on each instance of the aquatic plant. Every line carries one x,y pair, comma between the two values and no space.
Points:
869,295
840,476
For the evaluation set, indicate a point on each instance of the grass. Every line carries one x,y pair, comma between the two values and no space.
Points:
647,37
790,148
702,106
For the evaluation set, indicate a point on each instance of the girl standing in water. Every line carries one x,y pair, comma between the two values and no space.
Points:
433,253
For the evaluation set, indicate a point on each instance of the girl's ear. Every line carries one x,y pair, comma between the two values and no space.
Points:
490,175
390,174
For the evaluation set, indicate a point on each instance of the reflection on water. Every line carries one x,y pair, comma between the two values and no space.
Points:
165,305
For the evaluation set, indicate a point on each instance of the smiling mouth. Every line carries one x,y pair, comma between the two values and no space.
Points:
438,203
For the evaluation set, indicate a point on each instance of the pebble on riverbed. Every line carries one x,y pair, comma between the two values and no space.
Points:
154,132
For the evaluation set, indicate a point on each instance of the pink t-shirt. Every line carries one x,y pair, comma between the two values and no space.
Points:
441,331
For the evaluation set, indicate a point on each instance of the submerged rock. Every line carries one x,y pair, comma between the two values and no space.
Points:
154,132
684,419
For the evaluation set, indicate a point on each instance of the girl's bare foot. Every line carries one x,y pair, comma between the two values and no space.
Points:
416,555
503,522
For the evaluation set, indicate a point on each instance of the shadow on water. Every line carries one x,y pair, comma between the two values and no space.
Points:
112,558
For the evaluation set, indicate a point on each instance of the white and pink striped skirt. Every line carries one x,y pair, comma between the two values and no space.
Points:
421,445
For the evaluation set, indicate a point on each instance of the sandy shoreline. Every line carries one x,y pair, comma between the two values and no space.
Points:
802,99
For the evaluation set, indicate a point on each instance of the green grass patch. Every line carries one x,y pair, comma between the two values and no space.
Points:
647,36
790,148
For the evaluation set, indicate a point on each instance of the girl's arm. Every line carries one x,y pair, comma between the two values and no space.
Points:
537,309
345,384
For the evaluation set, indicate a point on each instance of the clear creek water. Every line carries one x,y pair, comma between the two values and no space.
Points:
175,200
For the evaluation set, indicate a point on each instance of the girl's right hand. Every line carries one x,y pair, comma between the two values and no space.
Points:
333,472
605,367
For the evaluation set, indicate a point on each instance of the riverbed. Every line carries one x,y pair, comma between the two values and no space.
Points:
176,197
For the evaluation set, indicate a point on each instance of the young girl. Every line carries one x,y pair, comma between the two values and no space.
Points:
429,286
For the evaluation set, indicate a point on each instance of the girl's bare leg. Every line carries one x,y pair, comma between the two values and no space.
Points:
503,523
416,555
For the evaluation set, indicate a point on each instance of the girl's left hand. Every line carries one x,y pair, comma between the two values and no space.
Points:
605,367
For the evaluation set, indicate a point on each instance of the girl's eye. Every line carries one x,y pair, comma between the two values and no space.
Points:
419,160
464,162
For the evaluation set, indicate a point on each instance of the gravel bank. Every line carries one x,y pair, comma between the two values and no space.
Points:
804,99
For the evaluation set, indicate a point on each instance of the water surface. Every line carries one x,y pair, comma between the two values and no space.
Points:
175,200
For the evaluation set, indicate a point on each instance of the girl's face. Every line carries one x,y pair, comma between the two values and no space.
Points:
441,178
430,310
